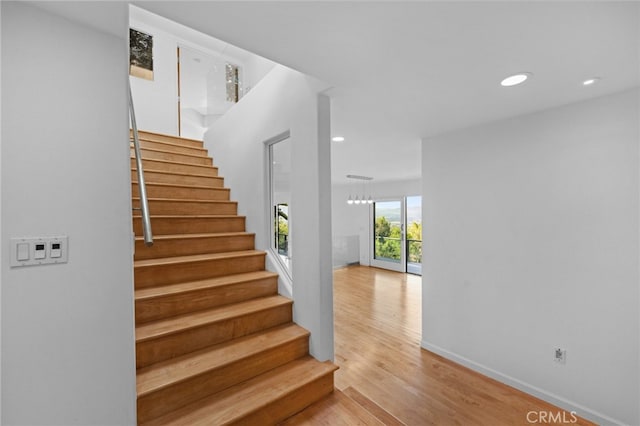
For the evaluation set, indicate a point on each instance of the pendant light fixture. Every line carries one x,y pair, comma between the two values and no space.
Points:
360,200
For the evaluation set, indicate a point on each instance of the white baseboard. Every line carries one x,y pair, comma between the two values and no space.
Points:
551,398
345,265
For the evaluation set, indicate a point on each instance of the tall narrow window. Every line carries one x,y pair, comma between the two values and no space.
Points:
140,54
280,211
233,82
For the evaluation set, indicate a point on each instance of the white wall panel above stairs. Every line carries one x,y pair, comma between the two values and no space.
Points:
286,100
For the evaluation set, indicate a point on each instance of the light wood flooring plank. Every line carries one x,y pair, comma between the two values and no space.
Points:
336,409
377,347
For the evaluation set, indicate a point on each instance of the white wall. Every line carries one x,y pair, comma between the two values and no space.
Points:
156,101
352,223
350,227
286,100
67,330
254,69
531,243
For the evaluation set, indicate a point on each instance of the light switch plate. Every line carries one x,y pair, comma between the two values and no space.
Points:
24,253
39,250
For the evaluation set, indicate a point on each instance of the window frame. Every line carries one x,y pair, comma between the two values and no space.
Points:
271,207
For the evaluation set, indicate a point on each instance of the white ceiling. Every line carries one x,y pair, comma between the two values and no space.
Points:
402,71
406,70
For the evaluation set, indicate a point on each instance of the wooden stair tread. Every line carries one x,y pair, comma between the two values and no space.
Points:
155,160
197,216
148,293
195,258
340,406
166,373
234,403
191,222
155,329
168,172
164,135
181,206
181,185
196,236
203,155
186,200
177,145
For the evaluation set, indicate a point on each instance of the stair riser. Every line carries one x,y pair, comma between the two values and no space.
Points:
187,208
165,226
180,343
176,167
183,193
182,303
170,147
188,391
169,156
193,271
155,177
293,403
188,246
167,138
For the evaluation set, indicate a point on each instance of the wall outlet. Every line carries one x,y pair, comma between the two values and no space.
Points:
560,356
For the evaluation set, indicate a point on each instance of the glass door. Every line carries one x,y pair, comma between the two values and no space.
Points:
397,235
388,235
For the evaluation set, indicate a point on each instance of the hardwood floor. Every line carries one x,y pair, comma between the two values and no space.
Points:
384,371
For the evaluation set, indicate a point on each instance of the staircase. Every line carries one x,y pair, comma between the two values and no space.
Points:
215,343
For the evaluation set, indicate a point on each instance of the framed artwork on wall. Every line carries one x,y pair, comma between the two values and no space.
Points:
140,54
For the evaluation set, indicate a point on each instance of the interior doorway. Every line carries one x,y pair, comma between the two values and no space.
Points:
204,90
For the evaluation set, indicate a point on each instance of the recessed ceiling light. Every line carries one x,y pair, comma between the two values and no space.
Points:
591,81
516,79
338,138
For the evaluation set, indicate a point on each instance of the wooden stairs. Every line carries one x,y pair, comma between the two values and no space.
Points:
215,343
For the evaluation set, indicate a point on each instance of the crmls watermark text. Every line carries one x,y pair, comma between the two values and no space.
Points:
551,417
